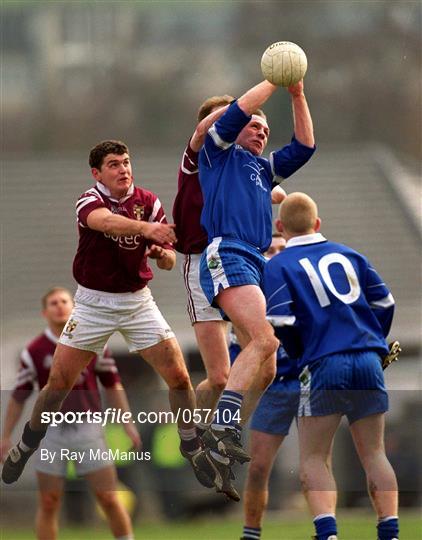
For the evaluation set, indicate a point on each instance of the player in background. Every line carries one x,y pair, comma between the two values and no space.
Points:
120,226
270,424
236,183
333,312
34,369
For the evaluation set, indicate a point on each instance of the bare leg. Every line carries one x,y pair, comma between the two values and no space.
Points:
263,449
368,436
212,343
49,501
316,434
167,359
68,363
104,484
246,307
263,379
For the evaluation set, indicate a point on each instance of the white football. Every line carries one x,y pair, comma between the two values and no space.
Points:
284,63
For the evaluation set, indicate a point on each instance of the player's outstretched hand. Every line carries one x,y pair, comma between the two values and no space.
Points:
393,354
160,232
296,89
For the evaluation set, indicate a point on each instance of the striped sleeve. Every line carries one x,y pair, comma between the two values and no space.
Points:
158,216
280,309
189,163
380,299
25,378
289,159
87,202
278,297
223,133
106,369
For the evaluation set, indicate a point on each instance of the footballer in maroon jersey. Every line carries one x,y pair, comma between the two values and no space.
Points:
209,327
35,363
120,225
34,369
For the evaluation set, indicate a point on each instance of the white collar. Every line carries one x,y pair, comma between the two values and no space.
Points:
52,337
104,189
305,239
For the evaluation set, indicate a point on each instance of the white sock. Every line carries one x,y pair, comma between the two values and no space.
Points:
23,447
187,434
320,516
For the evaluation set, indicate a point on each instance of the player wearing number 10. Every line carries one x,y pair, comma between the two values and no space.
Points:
332,311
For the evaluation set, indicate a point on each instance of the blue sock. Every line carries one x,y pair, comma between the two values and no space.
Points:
228,411
325,526
388,528
252,533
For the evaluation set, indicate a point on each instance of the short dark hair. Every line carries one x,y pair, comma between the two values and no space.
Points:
102,149
52,291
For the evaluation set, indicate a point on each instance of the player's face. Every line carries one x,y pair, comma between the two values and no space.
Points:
278,243
254,136
58,307
115,174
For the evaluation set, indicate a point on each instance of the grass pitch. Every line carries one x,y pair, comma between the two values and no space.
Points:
351,527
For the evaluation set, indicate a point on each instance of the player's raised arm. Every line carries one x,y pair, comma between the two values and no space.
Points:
202,128
303,126
101,219
254,98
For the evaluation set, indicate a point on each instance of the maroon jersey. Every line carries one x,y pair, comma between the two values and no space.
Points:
115,263
187,208
35,363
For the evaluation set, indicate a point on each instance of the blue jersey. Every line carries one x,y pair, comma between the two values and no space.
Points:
325,298
236,184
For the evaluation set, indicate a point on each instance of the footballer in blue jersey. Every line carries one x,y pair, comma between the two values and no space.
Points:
332,311
270,424
236,183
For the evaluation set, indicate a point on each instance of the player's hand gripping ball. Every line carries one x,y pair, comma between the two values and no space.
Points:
284,63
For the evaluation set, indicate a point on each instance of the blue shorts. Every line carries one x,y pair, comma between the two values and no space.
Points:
350,384
277,408
229,263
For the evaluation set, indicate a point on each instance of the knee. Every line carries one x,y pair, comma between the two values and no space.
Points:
267,343
108,500
258,474
218,379
49,502
179,379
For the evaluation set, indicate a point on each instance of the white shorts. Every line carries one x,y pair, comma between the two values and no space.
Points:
198,307
62,440
97,315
